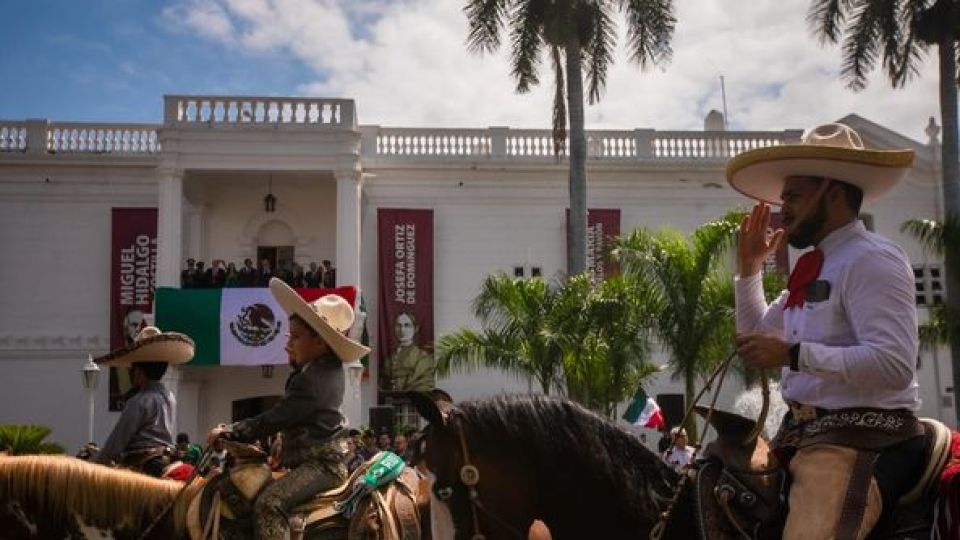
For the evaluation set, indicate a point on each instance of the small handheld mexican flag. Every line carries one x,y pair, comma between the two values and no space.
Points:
644,411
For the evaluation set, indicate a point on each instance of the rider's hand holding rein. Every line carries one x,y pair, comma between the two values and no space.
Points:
762,351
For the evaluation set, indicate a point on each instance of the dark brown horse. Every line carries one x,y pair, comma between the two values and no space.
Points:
504,462
541,458
60,497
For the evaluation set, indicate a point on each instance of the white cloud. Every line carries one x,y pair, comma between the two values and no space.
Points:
405,63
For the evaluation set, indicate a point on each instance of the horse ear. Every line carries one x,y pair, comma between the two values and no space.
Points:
427,408
727,424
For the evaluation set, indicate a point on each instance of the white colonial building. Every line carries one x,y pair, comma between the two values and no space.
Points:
498,198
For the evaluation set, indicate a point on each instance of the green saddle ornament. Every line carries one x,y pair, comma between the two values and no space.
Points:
386,468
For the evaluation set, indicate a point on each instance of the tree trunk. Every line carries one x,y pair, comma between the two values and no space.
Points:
690,381
951,193
577,250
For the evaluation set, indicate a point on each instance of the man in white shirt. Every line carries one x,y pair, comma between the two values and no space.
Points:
844,333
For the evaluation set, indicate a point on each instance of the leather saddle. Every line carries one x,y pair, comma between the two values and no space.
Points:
739,491
226,503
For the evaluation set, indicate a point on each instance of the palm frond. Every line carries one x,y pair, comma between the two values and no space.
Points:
559,129
598,39
526,28
936,331
935,236
27,439
650,25
484,20
861,47
826,18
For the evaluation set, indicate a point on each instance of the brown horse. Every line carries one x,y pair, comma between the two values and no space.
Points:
504,462
62,497
541,458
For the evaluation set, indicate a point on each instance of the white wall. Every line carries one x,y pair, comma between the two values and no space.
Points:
54,290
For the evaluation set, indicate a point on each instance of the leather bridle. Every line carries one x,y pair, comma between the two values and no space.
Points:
470,478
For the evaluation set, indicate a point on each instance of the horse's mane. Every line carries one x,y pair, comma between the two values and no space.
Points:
102,496
559,436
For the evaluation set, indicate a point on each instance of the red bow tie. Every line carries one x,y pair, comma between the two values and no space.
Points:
805,272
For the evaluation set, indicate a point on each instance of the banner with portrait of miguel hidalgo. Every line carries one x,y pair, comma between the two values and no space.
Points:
405,315
133,270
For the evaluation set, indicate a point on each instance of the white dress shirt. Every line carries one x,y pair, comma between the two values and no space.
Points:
858,348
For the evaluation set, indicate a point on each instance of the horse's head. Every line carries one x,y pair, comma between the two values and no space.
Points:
501,463
440,450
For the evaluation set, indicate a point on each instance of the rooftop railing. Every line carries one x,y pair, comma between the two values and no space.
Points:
402,144
524,144
42,137
221,111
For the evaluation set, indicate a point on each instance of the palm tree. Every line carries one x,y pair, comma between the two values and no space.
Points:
691,292
575,33
20,440
604,331
514,338
942,239
898,32
589,343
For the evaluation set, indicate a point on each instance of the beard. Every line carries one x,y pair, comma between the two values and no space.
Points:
803,234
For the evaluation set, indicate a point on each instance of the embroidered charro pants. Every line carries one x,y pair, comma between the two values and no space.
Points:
272,507
822,475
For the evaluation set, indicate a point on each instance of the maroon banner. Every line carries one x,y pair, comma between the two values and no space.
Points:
603,225
133,271
405,318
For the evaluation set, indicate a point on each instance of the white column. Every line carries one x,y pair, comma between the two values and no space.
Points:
348,228
169,228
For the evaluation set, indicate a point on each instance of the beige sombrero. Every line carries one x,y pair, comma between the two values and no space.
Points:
151,345
833,151
331,316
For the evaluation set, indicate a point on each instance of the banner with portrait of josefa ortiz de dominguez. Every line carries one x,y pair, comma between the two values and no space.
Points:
133,270
405,318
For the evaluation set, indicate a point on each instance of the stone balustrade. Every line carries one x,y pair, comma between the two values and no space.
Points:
42,137
505,143
137,139
210,111
440,143
13,137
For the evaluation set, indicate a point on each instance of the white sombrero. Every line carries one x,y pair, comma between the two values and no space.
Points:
331,316
830,151
151,345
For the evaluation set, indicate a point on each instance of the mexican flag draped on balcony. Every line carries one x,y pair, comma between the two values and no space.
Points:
235,326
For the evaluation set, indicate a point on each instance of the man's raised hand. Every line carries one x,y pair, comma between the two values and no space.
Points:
754,245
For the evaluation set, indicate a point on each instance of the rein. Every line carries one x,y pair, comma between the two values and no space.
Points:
656,533
202,463
470,477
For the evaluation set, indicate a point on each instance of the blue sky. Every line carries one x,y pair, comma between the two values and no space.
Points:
405,63
112,60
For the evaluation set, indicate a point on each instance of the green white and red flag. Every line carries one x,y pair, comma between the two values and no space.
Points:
644,411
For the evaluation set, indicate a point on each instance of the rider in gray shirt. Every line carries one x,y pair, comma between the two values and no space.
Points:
143,436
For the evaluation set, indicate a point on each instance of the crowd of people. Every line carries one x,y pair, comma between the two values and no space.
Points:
221,274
